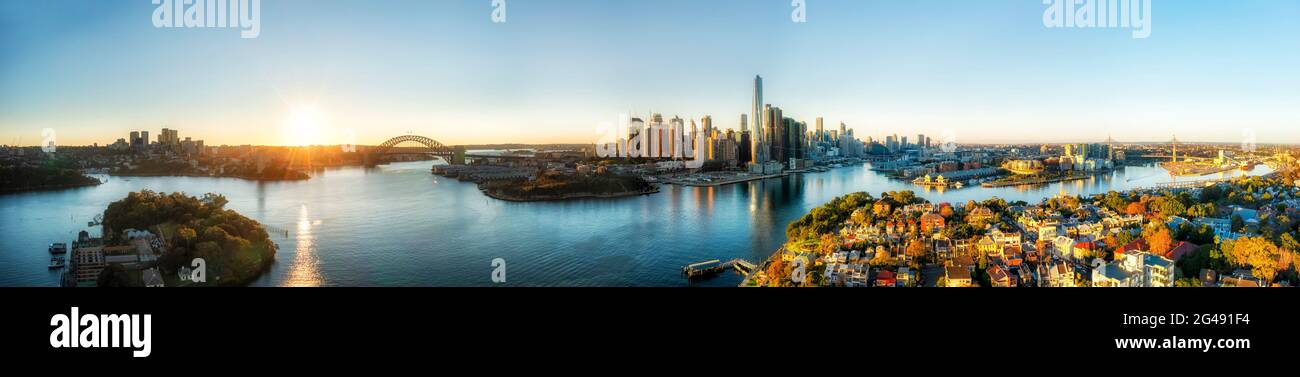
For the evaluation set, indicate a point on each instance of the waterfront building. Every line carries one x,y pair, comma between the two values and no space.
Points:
745,146
169,138
758,141
772,124
87,263
820,132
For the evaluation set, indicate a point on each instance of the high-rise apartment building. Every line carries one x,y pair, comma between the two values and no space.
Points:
759,142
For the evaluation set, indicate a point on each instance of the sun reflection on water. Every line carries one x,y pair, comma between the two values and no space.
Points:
305,271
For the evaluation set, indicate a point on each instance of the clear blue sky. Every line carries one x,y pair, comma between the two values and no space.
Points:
989,70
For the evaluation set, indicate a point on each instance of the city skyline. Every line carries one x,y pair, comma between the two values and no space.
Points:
977,69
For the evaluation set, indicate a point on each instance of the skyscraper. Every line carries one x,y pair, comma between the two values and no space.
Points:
744,122
820,131
759,148
770,134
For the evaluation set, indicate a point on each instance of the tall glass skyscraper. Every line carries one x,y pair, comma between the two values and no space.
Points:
756,116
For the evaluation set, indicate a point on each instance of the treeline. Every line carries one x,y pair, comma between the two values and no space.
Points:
829,217
236,249
24,178
180,168
559,185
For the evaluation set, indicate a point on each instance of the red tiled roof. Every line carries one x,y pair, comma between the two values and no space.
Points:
1139,244
1181,249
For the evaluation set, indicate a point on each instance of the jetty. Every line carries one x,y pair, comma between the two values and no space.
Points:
710,268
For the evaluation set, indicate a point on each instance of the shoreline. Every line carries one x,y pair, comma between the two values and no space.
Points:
1035,181
571,196
726,182
51,187
247,178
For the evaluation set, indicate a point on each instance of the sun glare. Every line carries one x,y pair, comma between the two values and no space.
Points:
304,126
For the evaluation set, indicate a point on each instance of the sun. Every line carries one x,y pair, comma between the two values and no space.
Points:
304,126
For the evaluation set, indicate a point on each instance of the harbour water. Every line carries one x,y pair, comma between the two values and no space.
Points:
399,225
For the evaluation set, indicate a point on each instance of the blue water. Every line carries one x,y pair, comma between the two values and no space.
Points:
399,225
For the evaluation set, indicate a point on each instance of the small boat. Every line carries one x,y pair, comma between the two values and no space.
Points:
58,248
56,263
958,185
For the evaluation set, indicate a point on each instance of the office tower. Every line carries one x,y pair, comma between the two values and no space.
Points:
903,143
745,153
1174,158
1110,148
842,130
672,141
773,125
744,122
820,131
707,123
729,153
920,141
758,140
799,141
635,127
135,139
780,138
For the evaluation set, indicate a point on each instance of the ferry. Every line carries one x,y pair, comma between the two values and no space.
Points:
58,248
56,263
1248,166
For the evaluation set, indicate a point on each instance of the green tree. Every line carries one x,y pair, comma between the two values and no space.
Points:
1258,253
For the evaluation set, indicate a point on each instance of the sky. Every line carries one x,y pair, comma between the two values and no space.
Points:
363,71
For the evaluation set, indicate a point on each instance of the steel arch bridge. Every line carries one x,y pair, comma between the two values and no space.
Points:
454,155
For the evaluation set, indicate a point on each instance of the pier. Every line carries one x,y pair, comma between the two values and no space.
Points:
710,268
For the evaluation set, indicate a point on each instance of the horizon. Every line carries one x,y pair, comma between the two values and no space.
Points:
320,73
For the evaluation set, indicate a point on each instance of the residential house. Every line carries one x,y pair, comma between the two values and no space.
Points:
998,276
957,276
1136,269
